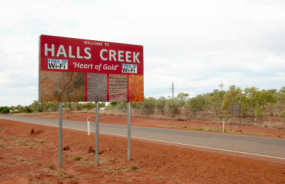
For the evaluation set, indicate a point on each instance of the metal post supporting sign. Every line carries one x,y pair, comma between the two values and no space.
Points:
59,134
129,130
97,135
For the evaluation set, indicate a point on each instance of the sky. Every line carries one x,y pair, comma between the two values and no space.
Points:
195,44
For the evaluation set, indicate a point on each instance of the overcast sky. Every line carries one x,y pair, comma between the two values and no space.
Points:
195,44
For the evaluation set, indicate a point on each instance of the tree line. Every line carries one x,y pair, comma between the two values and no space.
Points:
254,102
49,107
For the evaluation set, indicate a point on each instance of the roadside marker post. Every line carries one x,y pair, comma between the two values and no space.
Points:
223,126
88,125
59,134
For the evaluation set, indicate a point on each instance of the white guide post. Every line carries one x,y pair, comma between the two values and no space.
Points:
88,125
223,126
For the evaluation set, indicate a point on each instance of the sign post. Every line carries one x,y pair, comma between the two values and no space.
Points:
59,134
129,130
97,135
236,112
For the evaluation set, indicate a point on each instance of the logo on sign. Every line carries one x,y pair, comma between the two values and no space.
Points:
59,64
126,68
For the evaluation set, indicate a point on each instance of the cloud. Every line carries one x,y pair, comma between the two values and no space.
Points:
195,44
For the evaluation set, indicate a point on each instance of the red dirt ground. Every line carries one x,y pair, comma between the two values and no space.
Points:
122,120
28,158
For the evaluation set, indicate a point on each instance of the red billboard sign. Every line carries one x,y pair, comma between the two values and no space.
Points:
87,70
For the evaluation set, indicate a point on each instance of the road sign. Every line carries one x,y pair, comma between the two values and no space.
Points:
236,109
87,70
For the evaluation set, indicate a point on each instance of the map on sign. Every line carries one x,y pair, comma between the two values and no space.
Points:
87,70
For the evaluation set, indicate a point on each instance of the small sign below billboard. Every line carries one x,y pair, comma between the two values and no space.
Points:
87,70
236,109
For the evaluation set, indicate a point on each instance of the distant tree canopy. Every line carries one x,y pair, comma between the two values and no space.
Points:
196,104
253,101
4,109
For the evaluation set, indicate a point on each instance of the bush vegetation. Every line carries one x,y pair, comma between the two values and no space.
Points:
255,103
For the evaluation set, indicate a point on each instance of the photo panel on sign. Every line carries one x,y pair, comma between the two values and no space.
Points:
136,89
96,87
118,88
62,86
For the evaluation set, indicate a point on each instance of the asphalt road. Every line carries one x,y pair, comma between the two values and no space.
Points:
269,147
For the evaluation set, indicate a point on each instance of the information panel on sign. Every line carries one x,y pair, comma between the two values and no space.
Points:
87,70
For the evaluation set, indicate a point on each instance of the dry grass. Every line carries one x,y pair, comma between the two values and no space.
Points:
274,125
134,168
62,174
77,157
52,167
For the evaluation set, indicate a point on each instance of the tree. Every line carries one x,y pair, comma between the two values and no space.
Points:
258,99
172,106
282,90
196,105
35,106
272,91
110,107
19,108
88,106
160,104
280,98
113,104
102,104
121,105
266,99
4,109
27,109
230,96
245,106
136,105
252,95
53,106
182,98
149,105
216,100
283,115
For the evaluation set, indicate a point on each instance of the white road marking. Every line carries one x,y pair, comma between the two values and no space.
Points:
235,140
